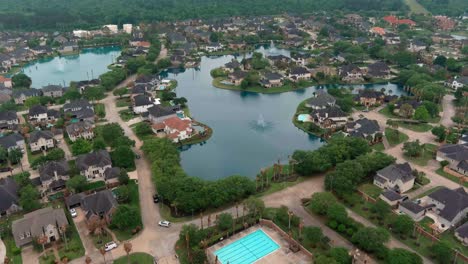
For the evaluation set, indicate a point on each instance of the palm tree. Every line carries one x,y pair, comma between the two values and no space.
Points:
103,253
128,249
88,260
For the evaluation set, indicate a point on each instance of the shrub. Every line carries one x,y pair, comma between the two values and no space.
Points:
333,224
341,228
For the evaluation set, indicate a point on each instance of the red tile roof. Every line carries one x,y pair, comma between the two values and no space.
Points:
177,123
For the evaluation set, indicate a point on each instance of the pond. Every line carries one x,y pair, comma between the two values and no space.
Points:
250,130
87,65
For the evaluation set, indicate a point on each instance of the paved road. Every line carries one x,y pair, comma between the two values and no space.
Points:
448,110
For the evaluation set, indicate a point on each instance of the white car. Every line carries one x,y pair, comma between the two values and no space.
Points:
73,212
110,246
164,223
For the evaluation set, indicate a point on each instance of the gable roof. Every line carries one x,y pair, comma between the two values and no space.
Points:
8,116
142,100
100,158
321,99
456,152
11,140
77,104
159,111
48,170
391,195
455,201
26,92
78,127
99,203
329,112
412,206
8,193
462,231
364,126
37,134
37,110
396,172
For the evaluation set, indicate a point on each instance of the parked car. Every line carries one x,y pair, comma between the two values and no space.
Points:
73,212
164,223
110,246
5,169
137,156
156,198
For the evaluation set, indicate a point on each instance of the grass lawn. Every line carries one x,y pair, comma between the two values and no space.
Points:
140,258
395,137
416,8
428,154
100,110
422,127
386,112
426,193
75,248
123,102
127,115
442,173
94,185
259,89
378,147
426,223
371,190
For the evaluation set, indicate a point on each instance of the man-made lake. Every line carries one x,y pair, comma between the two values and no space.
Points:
89,64
251,131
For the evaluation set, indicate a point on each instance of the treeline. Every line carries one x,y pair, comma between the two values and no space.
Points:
185,194
59,14
447,7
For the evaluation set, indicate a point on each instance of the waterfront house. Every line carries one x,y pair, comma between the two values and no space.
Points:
350,73
93,165
451,206
54,174
159,113
6,82
397,177
456,155
46,222
378,70
321,100
9,200
364,128
13,141
369,97
231,66
175,128
330,117
237,77
299,73
141,103
20,95
81,129
271,79
40,140
53,91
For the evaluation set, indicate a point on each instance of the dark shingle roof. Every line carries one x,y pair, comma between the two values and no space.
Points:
8,193
412,206
141,100
364,126
98,158
299,71
77,104
99,203
37,109
322,99
455,151
8,116
462,231
455,201
111,173
48,170
10,140
37,134
159,111
395,172
391,195
329,112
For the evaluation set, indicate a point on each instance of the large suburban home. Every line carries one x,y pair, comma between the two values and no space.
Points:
350,73
456,155
159,113
397,177
6,82
451,206
175,128
378,70
461,233
80,129
271,79
232,66
40,114
20,96
369,97
141,103
321,100
54,174
364,128
8,120
79,109
99,205
299,73
13,141
93,165
53,91
411,102
46,222
41,140
237,77
9,200
413,210
330,117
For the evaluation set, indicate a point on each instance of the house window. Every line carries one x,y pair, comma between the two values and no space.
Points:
21,237
28,234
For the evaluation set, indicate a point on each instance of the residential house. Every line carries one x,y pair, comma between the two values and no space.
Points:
79,109
417,46
408,101
96,206
141,103
364,128
175,128
41,140
451,206
350,73
54,174
413,210
231,66
369,97
158,113
21,95
53,91
93,165
81,129
456,155
271,79
321,100
8,120
378,70
330,117
9,200
112,174
213,47
463,139
13,141
237,77
397,177
176,38
46,222
6,81
299,73
68,47
461,233
392,198
40,114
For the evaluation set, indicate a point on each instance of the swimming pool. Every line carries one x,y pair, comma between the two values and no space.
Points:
248,249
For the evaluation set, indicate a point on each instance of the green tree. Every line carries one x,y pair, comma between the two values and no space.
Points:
403,224
123,177
337,212
413,148
32,101
421,114
439,132
14,156
440,60
123,193
134,64
81,146
77,183
94,93
340,255
321,201
370,239
224,221
123,157
432,108
143,129
402,256
120,91
442,252
126,217
254,205
21,80
406,110
3,154
380,209
164,63
324,259
345,178
29,198
312,235
99,143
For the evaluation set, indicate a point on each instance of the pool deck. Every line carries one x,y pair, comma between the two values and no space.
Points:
281,255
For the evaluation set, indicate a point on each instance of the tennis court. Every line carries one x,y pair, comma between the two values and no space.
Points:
247,249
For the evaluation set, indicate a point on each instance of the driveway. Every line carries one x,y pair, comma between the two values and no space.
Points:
448,111
29,255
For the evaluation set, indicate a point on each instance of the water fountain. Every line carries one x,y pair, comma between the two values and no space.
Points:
261,121
60,65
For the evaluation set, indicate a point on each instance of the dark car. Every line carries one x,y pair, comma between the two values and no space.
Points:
156,198
5,169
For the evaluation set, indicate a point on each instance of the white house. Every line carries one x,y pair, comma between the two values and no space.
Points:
176,129
41,140
93,165
397,177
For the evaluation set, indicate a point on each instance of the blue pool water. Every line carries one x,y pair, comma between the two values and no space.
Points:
248,249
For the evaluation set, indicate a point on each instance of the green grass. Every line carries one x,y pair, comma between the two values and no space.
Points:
94,185
378,147
127,115
140,258
386,112
100,110
371,190
427,155
395,137
13,253
123,102
422,127
416,8
426,223
444,174
426,193
259,89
